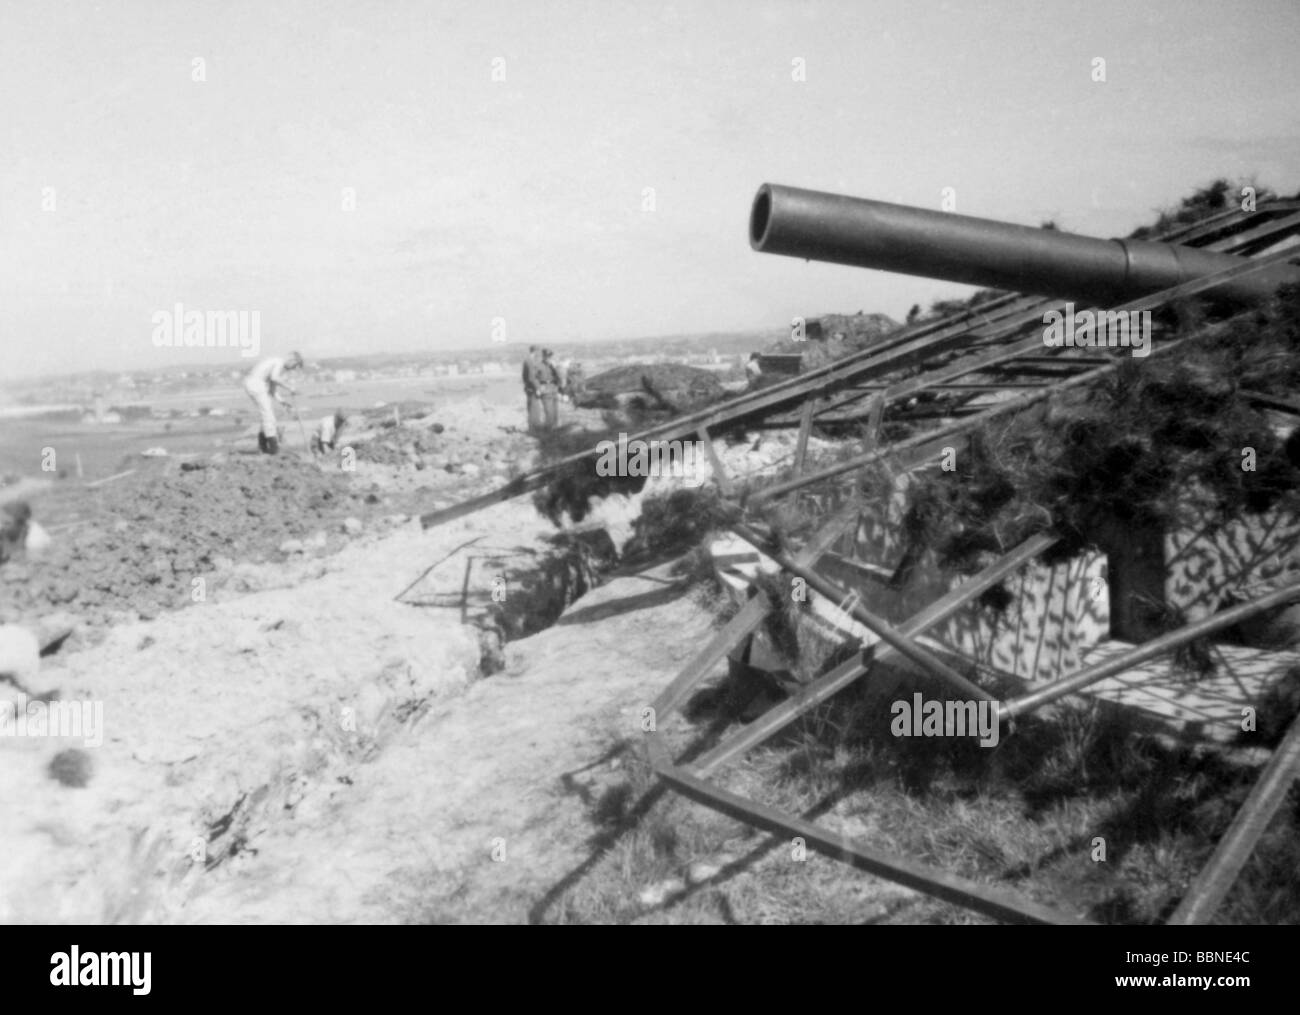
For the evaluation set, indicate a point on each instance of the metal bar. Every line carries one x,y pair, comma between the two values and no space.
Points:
995,902
976,363
921,656
922,352
1189,288
836,564
908,342
719,470
1141,653
891,353
1260,232
873,421
440,560
1060,359
937,413
870,388
464,590
925,439
959,368
657,751
743,623
805,428
1271,401
1203,227
930,379
109,479
1211,885
832,411
827,406
1188,234
1022,367
830,684
515,488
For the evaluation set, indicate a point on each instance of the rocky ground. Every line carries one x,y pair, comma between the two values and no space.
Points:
175,530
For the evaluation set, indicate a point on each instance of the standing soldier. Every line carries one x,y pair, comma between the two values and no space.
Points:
532,377
549,389
263,383
574,379
562,377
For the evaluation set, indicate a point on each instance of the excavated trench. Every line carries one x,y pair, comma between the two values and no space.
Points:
605,525
247,717
598,521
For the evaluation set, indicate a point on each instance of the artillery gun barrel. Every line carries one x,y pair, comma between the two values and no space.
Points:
960,248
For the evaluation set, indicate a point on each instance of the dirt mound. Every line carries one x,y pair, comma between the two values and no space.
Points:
670,386
151,535
401,446
439,449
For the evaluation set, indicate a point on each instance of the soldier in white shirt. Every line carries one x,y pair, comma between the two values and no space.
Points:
326,436
263,383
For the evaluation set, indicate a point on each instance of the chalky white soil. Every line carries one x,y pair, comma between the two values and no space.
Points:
316,752
300,746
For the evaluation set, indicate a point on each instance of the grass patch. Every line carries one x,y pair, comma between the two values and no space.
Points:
1029,815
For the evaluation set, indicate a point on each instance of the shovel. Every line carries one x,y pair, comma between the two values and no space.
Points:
302,429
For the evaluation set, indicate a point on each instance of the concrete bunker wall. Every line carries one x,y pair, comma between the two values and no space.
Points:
1055,614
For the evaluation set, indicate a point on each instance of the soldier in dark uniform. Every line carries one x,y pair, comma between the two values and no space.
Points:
532,377
549,389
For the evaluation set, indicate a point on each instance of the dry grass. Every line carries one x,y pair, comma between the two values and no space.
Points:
1026,815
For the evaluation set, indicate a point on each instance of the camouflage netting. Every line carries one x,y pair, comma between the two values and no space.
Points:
834,336
670,386
856,330
1131,450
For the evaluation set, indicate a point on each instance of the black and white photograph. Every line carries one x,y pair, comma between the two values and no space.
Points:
649,462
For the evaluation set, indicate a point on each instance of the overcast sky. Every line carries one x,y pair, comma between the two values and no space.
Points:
526,198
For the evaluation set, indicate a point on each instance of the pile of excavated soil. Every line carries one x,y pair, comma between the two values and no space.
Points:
152,534
400,446
471,436
455,451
